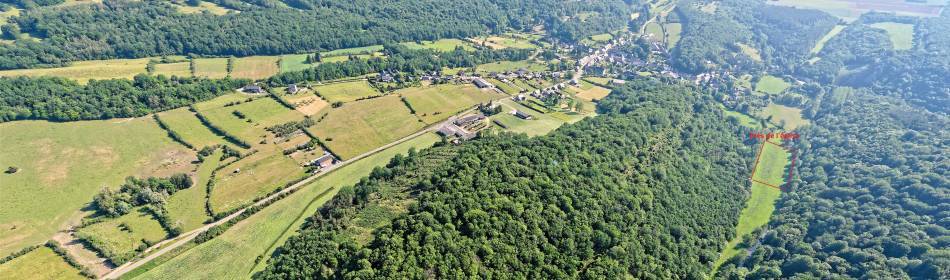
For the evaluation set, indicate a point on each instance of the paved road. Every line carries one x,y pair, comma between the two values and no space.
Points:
170,244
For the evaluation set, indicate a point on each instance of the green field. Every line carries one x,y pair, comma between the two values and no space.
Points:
357,50
901,34
540,124
205,6
232,255
83,71
445,45
259,113
750,51
63,165
254,176
744,120
601,37
41,263
790,116
851,9
179,69
506,41
831,34
346,91
255,67
189,128
295,62
211,67
771,85
438,102
761,203
358,127
125,234
673,31
655,29
503,66
588,92
186,208
509,89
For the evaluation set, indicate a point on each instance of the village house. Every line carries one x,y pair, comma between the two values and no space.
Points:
470,119
323,162
254,89
482,83
292,89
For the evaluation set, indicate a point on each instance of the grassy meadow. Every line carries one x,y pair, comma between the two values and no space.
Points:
255,67
356,50
184,122
438,102
125,234
257,236
901,34
589,92
186,208
445,45
204,6
744,120
771,85
63,165
254,176
346,91
852,9
509,89
211,67
361,126
540,124
41,263
501,42
306,103
83,71
750,51
831,34
259,113
655,29
295,62
502,66
673,31
791,117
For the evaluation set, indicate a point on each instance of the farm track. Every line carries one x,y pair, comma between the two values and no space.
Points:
168,245
77,250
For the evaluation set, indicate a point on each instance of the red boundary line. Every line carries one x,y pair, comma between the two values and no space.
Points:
767,184
791,168
754,167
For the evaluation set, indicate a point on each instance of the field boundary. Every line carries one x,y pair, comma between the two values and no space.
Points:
791,167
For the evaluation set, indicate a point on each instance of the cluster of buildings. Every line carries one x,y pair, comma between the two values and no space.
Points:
324,161
463,128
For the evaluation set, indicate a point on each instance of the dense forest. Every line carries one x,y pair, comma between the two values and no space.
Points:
59,99
871,201
625,194
128,29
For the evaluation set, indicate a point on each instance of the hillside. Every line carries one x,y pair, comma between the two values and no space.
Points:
626,193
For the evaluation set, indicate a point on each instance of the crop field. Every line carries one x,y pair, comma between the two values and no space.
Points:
502,66
189,128
41,263
673,31
259,113
771,85
791,117
831,34
306,103
211,67
445,45
255,67
257,236
540,124
590,92
361,126
901,34
83,71
252,177
186,208
295,62
750,51
346,91
63,165
771,169
851,9
125,234
438,102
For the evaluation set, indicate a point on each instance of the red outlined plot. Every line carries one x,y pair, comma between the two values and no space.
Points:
794,154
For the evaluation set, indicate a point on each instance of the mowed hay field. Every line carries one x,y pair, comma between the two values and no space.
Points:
255,67
257,236
673,31
901,34
589,92
184,122
123,235
295,62
186,208
445,45
791,117
306,102
211,67
63,165
502,66
438,102
241,182
181,69
539,124
346,91
259,113
41,263
83,71
761,203
358,127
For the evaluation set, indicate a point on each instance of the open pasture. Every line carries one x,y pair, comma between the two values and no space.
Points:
444,45
750,51
254,176
356,50
655,30
257,114
249,244
184,123
255,67
346,91
673,31
502,66
852,9
63,165
901,34
358,127
437,102
589,92
295,62
539,124
505,41
831,34
771,85
509,89
120,237
41,263
186,208
783,116
203,7
83,71
306,103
